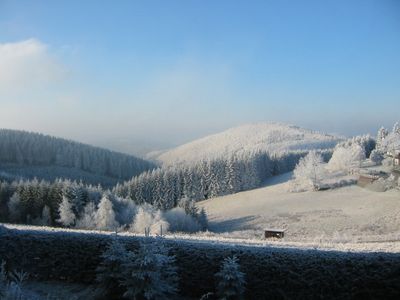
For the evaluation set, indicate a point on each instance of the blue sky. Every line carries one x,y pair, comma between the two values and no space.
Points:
139,75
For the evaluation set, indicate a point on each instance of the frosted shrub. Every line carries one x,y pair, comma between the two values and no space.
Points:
231,281
346,159
309,172
148,218
179,221
150,273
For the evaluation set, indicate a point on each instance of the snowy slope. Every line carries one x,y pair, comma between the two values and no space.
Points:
348,214
271,137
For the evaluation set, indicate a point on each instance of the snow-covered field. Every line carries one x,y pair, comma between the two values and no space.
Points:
350,217
270,137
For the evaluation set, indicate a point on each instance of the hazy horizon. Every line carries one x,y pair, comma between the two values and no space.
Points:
137,77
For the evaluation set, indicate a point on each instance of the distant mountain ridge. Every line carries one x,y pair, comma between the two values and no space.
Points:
268,137
37,153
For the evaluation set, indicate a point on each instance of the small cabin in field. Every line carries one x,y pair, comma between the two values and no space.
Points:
274,233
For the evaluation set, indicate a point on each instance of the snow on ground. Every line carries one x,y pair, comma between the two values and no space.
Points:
349,214
349,218
271,137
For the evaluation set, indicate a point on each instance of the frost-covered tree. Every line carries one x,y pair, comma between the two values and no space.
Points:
180,221
45,220
88,218
382,134
150,273
148,218
203,219
345,159
376,156
109,273
189,206
67,216
14,208
231,281
105,216
310,170
396,128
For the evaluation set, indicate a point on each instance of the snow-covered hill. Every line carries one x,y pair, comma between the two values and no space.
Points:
270,137
347,214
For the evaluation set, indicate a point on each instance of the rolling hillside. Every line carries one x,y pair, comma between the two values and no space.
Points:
27,154
269,137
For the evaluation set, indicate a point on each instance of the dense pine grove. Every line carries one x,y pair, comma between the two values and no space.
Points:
33,149
165,186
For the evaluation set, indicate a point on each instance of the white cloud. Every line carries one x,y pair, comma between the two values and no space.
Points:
26,64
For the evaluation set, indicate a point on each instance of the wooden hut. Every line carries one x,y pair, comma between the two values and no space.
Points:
274,233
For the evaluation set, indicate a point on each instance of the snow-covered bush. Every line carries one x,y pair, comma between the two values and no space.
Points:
346,159
376,156
231,281
105,216
150,273
180,221
148,218
67,216
309,172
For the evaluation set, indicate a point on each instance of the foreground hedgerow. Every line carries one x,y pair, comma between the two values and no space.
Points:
271,273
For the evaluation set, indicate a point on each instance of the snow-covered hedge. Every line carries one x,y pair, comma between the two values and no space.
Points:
271,273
